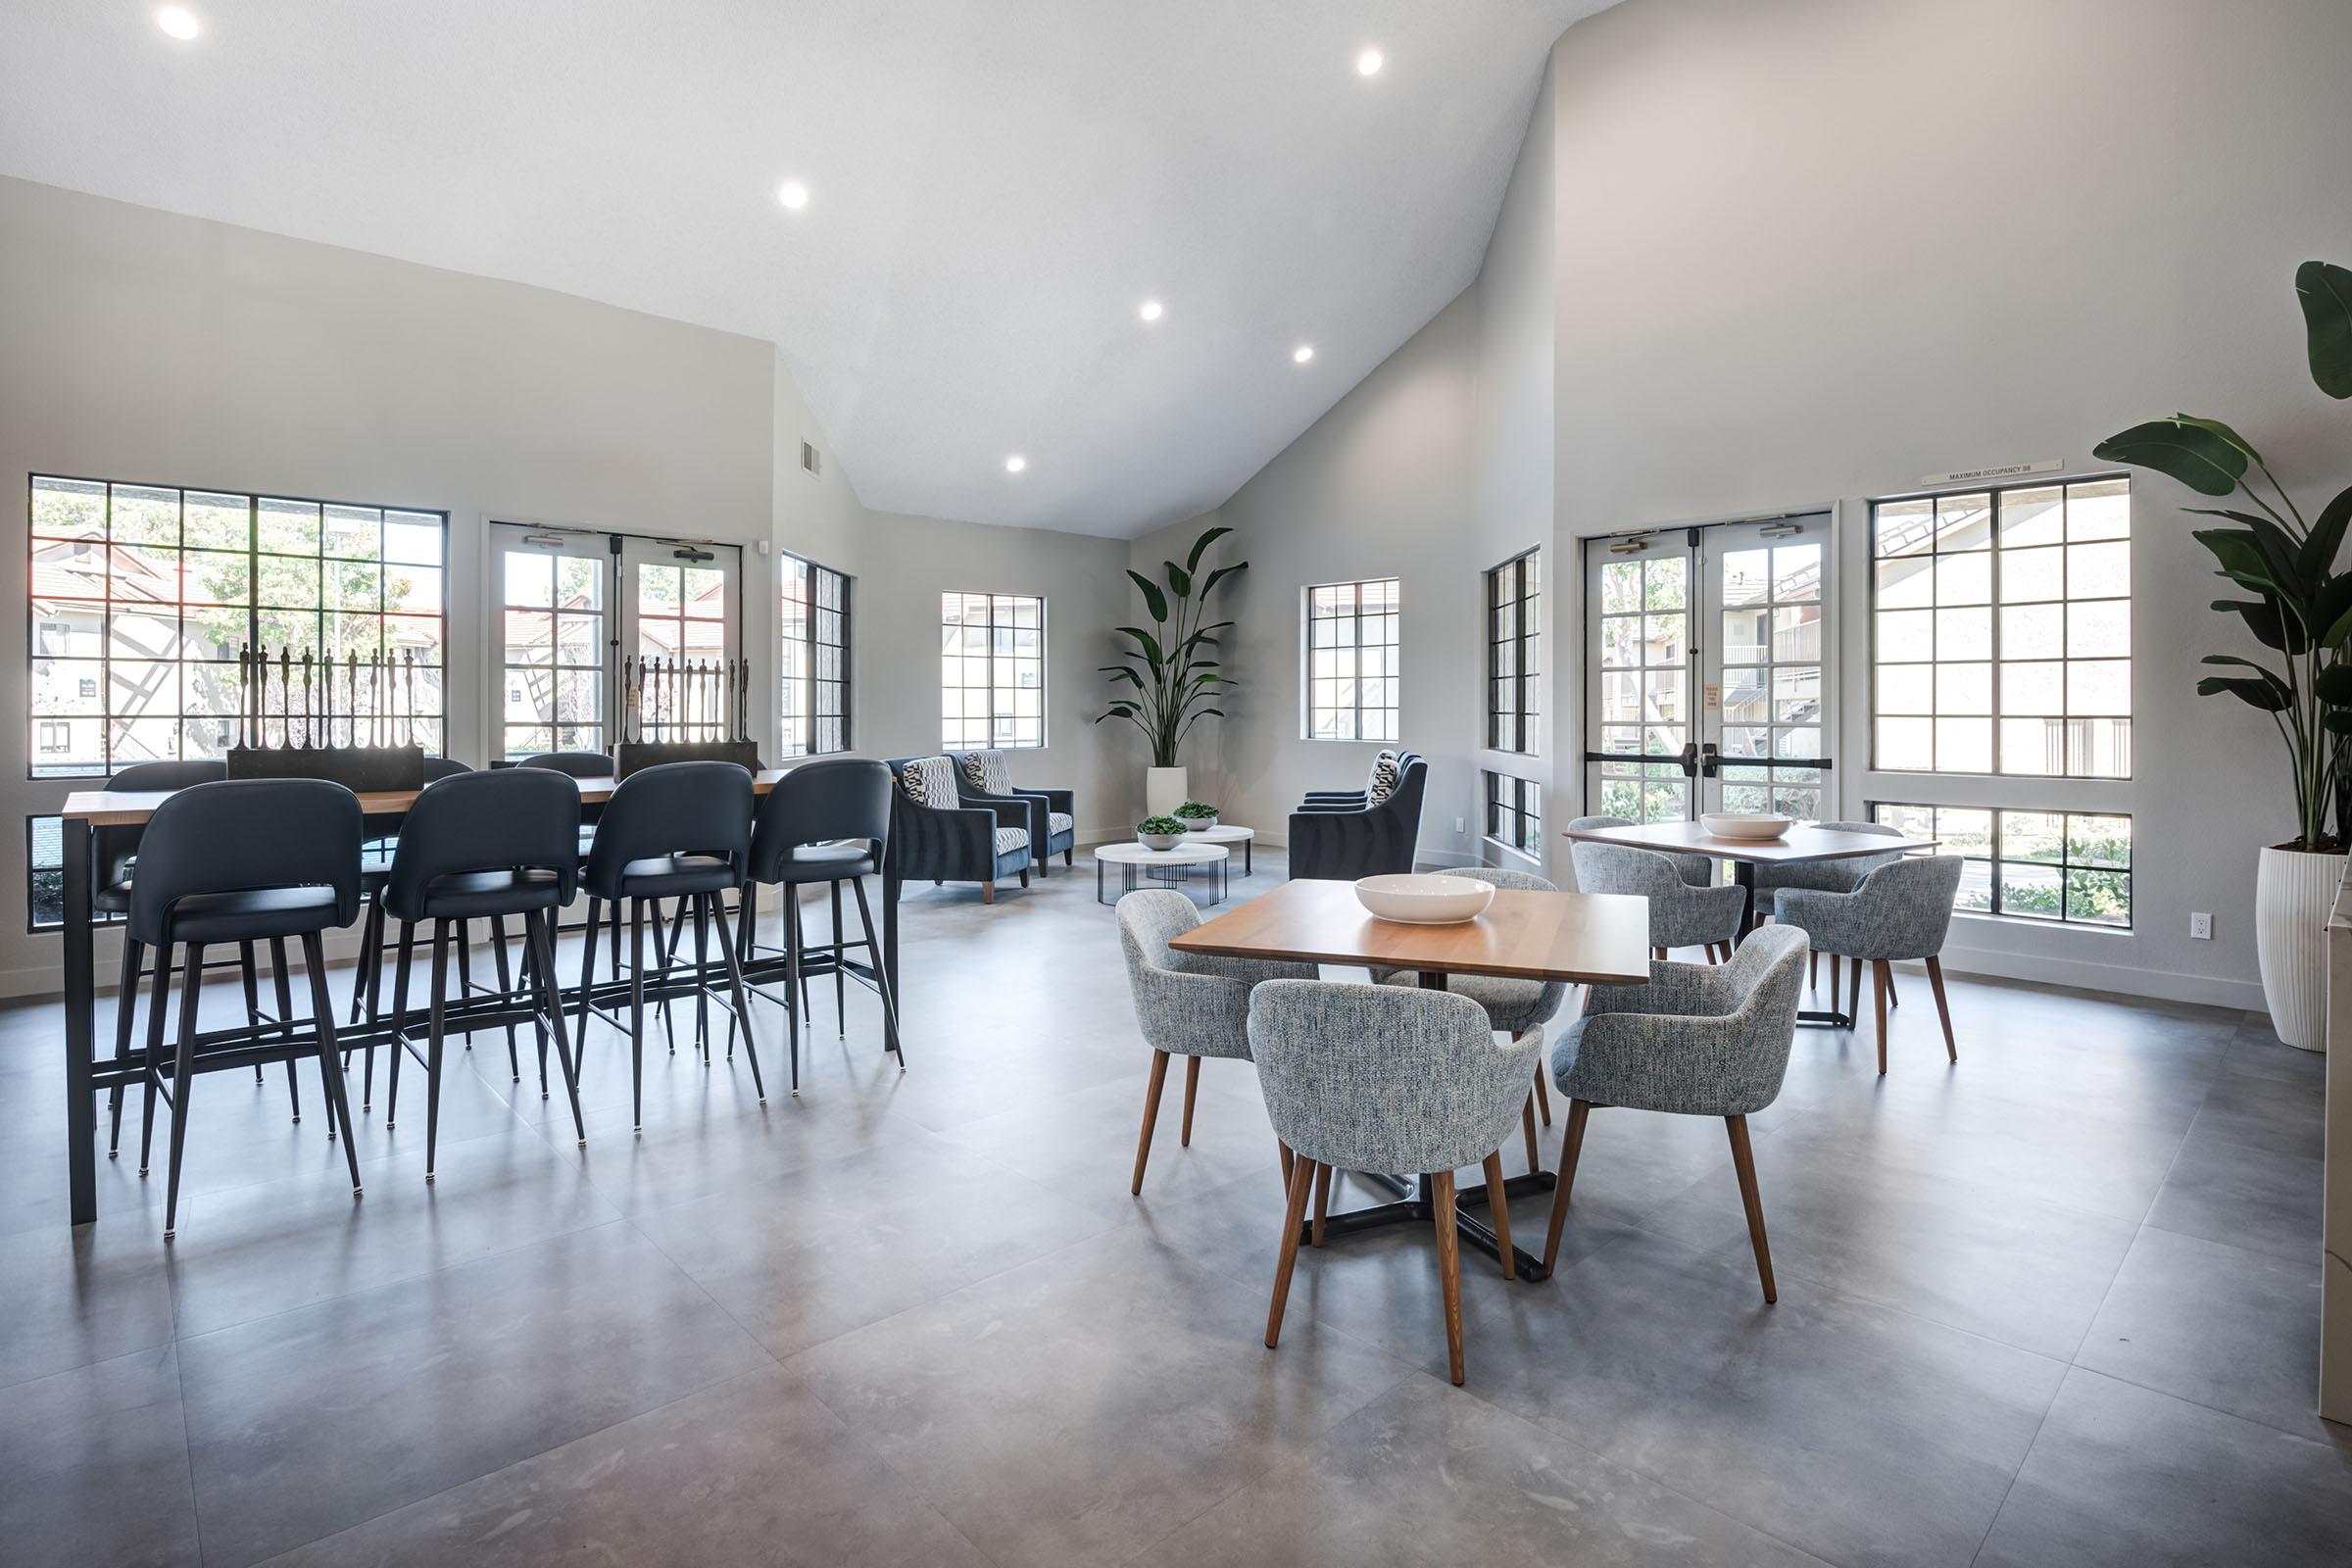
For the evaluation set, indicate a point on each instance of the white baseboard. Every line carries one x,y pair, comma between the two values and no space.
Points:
2117,979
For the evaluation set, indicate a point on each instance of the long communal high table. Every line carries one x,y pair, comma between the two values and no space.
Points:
1592,938
86,810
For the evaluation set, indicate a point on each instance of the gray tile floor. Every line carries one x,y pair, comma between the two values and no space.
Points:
2055,1305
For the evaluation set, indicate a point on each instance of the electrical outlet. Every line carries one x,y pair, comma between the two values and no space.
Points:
1459,826
2200,927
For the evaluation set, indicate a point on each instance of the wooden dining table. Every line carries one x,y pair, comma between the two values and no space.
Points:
1801,843
1577,938
86,810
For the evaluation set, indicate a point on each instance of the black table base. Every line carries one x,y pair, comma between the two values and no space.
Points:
1179,875
1416,1205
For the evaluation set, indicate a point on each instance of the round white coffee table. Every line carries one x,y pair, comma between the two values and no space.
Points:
1172,867
1227,834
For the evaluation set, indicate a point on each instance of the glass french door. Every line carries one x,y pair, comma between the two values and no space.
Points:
1710,671
571,604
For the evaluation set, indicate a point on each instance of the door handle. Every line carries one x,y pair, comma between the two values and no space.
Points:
1708,758
1690,760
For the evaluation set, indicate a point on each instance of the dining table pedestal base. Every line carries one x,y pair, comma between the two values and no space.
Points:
1416,1204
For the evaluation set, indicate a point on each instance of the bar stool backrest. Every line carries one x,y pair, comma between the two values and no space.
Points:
671,809
512,819
113,846
441,767
247,835
579,764
816,802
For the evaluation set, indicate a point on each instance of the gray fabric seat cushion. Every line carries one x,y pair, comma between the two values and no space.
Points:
1010,839
1059,822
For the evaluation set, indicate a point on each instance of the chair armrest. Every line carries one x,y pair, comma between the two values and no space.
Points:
1703,1066
1679,990
1016,810
941,840
1191,1014
1062,801
1332,809
1357,797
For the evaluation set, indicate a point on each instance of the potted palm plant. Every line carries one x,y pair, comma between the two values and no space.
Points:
1170,679
2301,613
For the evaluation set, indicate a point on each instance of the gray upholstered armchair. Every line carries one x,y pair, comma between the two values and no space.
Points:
1827,876
1692,1042
1696,869
1899,912
1189,1005
1680,914
1514,1007
1381,1078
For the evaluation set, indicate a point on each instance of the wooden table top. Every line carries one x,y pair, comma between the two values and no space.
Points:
1798,844
112,808
1602,939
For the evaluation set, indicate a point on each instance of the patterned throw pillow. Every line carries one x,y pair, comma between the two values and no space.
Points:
985,771
1384,776
910,779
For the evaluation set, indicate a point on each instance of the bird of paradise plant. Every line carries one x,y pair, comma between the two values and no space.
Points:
1171,679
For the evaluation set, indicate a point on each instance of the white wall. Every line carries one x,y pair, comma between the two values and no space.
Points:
1379,487
141,345
1775,257
1816,250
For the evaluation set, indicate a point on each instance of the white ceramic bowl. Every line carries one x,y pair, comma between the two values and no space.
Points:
1425,900
1734,825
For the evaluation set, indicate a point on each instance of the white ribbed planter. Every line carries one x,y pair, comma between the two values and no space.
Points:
1163,790
2293,893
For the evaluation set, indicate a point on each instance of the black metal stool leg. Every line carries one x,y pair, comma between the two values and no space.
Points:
537,930
743,1007
841,989
434,1025
183,1073
322,1012
285,1013
636,1011
465,968
702,972
792,986
588,940
158,997
253,999
126,1007
884,980
400,1023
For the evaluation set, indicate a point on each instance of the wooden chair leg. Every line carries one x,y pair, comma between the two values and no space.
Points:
1449,1270
1282,1153
1192,1088
1143,1146
1836,978
1542,1095
1943,1010
1322,1200
1853,999
987,893
1499,1211
1813,970
1878,1005
1527,1129
1658,954
1893,1000
1744,1162
1302,1177
1572,1144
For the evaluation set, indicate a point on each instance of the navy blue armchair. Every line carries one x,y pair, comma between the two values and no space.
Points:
1344,835
983,779
934,834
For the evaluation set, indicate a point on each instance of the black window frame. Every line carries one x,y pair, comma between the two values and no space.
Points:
814,685
1993,860
253,607
996,623
1518,802
1514,728
1353,615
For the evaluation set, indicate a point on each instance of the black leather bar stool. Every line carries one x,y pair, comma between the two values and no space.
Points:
797,842
484,846
242,861
111,868
375,868
679,830
579,764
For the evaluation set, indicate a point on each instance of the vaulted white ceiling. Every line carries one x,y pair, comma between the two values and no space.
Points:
995,186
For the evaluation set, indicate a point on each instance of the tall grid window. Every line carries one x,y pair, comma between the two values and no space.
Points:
992,671
1352,661
2070,866
142,595
1514,649
2002,631
554,644
1644,686
814,664
1515,814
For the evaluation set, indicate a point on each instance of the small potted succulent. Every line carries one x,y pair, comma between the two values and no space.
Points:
1160,832
1198,815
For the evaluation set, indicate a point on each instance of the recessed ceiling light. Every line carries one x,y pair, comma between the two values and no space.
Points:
794,195
1368,63
1151,311
1303,353
178,21
1015,464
